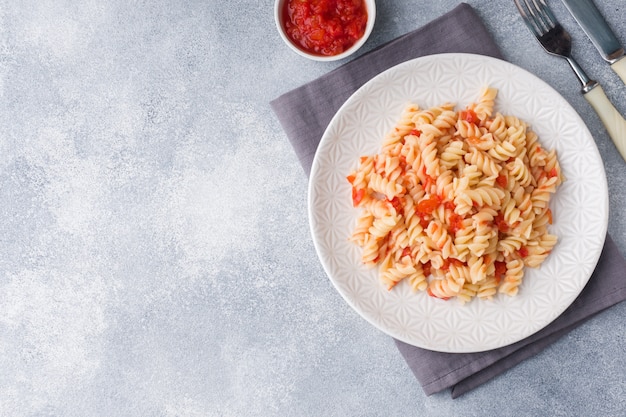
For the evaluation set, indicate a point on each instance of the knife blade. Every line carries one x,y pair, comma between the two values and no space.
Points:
598,30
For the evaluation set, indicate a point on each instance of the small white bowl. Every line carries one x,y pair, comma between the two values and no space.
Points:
371,18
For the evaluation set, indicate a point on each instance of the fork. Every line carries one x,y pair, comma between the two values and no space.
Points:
556,41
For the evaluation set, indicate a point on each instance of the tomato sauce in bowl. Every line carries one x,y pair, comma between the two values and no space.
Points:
324,27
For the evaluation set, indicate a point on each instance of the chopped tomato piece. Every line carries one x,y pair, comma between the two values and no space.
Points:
523,252
427,206
415,132
397,204
450,261
500,270
502,180
357,196
403,163
350,178
501,223
406,251
429,181
469,116
458,263
455,223
553,173
426,268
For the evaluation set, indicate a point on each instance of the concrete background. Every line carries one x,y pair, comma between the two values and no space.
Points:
155,255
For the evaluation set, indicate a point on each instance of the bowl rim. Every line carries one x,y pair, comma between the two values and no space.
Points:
371,18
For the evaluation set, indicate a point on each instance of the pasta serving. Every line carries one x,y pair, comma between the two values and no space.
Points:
456,202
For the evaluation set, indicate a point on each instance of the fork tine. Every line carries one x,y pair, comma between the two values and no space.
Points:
548,12
537,16
529,18
545,13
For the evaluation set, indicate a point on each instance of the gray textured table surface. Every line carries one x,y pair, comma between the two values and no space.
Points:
155,254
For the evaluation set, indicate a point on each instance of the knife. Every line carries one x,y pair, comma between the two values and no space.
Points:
591,20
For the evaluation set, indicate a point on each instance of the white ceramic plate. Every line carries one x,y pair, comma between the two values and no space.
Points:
580,206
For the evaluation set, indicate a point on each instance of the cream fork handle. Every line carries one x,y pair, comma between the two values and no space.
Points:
613,121
619,67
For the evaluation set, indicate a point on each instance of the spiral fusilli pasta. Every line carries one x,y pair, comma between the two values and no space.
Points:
456,202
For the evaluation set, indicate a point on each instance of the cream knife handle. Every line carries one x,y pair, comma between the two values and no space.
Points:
619,67
613,121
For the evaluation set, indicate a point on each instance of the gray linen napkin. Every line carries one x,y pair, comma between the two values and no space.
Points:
304,114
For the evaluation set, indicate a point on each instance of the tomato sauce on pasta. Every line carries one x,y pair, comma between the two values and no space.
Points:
456,202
